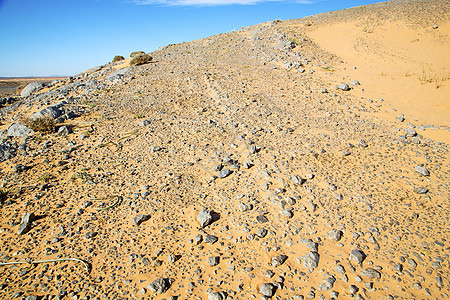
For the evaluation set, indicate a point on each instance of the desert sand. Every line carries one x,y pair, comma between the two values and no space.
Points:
240,167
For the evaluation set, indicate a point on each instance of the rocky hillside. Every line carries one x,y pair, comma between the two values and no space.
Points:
232,167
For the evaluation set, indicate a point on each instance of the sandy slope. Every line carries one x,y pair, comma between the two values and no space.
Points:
315,172
405,61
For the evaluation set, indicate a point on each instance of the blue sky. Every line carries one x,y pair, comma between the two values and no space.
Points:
66,37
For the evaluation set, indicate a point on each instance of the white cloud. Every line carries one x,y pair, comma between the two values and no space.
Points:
206,2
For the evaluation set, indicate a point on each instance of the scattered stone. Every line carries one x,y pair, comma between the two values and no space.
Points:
297,180
138,219
224,173
421,190
410,132
262,219
213,260
343,87
204,217
261,232
210,239
363,143
357,256
217,296
371,273
63,131
197,239
353,289
398,268
159,286
311,260
25,223
267,289
327,284
278,260
334,235
422,170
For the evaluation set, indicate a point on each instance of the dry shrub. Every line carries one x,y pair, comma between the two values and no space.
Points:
133,54
41,124
140,59
118,58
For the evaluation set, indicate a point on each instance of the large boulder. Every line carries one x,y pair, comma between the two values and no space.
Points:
18,130
50,111
32,88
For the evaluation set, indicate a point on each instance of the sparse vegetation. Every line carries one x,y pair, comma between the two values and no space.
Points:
140,59
118,58
45,178
434,77
41,124
135,53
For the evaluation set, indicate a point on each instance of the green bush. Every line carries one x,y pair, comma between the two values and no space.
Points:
140,59
133,54
118,58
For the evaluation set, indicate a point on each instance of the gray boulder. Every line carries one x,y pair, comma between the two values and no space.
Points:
371,273
32,88
311,260
357,256
343,87
267,289
25,224
204,217
217,296
50,111
159,286
117,75
18,130
138,219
